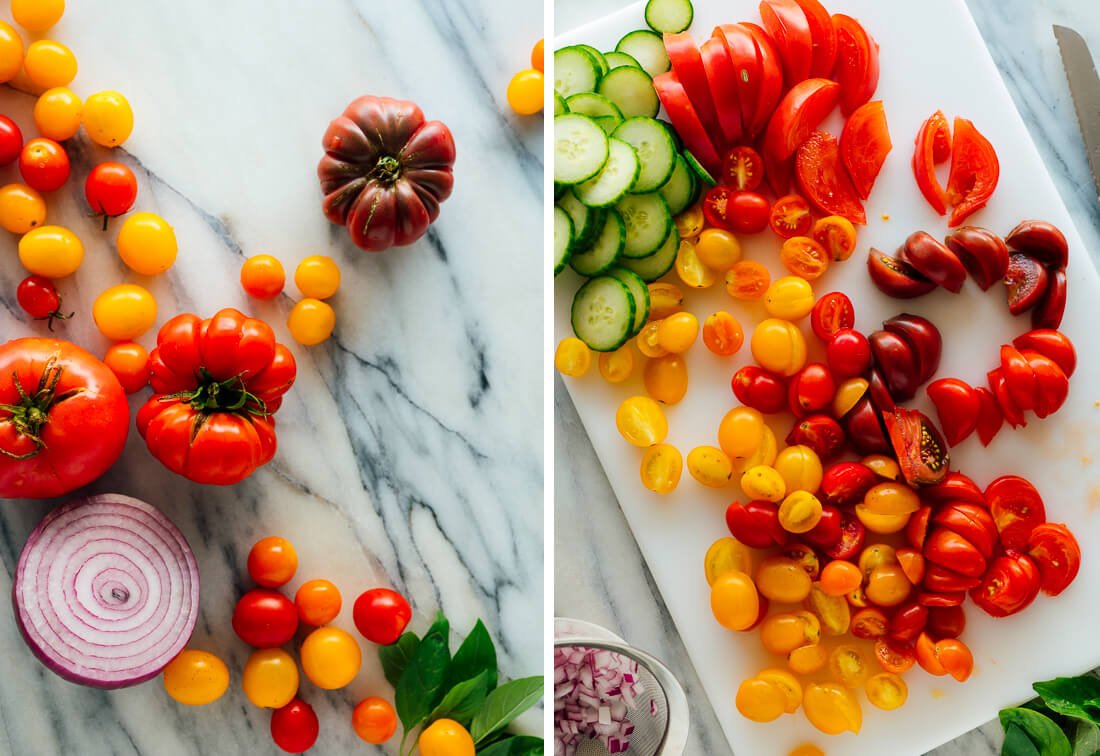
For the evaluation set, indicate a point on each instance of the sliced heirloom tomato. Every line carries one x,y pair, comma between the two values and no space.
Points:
1057,554
1009,411
934,261
918,446
722,82
1052,306
958,406
771,78
1050,343
895,277
686,121
923,338
687,64
800,111
787,25
974,172
1051,383
824,180
955,487
1042,240
790,216
864,145
972,522
1019,378
741,49
934,131
898,364
1017,509
823,35
864,428
916,530
990,417
1009,586
1026,281
982,252
856,63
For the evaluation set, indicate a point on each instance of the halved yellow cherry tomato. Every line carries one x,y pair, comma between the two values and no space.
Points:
788,683
848,666
763,482
882,466
690,268
641,421
836,235
882,524
726,555
887,585
764,455
572,357
718,249
831,708
664,299
722,334
646,340
834,612
690,222
617,366
886,691
662,465
848,394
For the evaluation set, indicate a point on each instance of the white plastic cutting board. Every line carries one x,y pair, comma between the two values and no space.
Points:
932,56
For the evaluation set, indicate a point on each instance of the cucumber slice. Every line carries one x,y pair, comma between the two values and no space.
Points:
603,313
560,106
580,148
669,15
648,48
559,190
647,221
651,142
656,265
608,123
698,169
563,239
575,70
639,291
586,220
632,90
619,59
593,105
616,179
674,134
679,190
596,56
603,252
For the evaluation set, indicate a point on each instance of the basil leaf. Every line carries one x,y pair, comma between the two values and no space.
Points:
1086,742
462,701
1077,697
505,704
421,684
1046,736
517,745
476,654
396,656
1017,743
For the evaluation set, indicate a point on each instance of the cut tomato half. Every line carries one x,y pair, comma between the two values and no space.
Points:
856,63
800,111
1057,554
990,417
864,145
924,161
974,172
824,181
1017,509
741,48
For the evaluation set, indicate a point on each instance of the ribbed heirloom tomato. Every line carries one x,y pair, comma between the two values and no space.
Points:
217,383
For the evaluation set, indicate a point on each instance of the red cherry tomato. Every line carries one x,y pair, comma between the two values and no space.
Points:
958,406
1011,583
916,530
811,389
848,353
294,728
265,619
742,169
110,189
38,297
824,180
972,522
974,172
756,524
864,145
856,63
821,433
946,622
757,388
852,536
744,212
11,141
909,621
845,483
831,313
790,216
381,615
949,549
1057,554
44,164
1017,509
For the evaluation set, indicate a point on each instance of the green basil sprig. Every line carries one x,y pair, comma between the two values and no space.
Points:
1064,721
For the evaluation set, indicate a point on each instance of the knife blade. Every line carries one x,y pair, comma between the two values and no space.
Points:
1084,87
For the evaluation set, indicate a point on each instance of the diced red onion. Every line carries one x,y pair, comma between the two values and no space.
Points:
593,692
106,591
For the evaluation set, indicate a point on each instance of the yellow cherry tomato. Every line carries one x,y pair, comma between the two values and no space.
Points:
891,498
664,300
832,708
317,276
875,554
722,334
834,612
51,251
572,357
147,244
788,684
710,466
734,600
330,657
726,555
678,332
37,15
690,268
785,632
263,277
11,53
882,466
741,432
108,118
718,249
848,394
21,208
789,297
883,524
689,224
763,482
641,421
617,366
196,678
270,678
646,340
800,512
887,585
58,113
836,235
124,312
806,749
666,378
661,468
445,737
311,321
537,55
848,666
49,64
886,691
760,700
808,659
764,454
777,345
781,579
800,468
525,92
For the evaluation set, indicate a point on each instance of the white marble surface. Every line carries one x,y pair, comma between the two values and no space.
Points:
411,447
599,573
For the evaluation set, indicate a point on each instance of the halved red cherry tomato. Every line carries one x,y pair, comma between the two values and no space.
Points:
755,524
821,433
845,483
946,622
823,179
848,353
1050,343
827,532
1051,384
933,132
1011,583
1019,378
744,212
869,623
908,621
852,536
757,388
799,112
823,35
957,407
1057,554
787,25
864,145
990,417
999,388
686,121
743,169
895,654
912,564
972,522
949,549
955,487
943,580
687,64
916,530
1017,509
934,599
856,63
790,216
831,313
974,172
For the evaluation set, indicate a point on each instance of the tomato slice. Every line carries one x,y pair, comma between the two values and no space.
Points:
686,121
1011,583
1050,343
908,621
687,64
787,25
770,89
722,82
1019,378
940,579
941,599
743,169
823,34
941,139
869,623
990,417
800,111
974,172
741,48
790,216
912,564
831,313
1057,554
864,145
856,63
1017,509
951,550
895,655
1051,384
1007,407
924,162
972,522
957,407
824,181
946,622
955,487
916,530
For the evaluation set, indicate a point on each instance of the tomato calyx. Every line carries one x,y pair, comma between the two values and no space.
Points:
211,395
33,410
387,170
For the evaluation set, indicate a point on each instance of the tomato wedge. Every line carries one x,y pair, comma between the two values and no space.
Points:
1050,343
957,407
949,549
990,417
1011,583
1017,508
972,522
823,34
864,145
787,25
1019,378
1051,384
686,121
1009,410
924,161
687,64
955,487
1057,554
722,82
800,111
770,90
856,63
974,172
823,179
741,48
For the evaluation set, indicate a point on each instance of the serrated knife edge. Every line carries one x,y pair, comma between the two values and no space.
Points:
1084,88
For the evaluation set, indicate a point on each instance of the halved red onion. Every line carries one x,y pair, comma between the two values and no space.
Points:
106,591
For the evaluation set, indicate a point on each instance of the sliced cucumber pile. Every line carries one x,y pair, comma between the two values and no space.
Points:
563,239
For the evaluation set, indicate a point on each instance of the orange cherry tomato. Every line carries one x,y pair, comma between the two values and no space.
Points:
263,277
748,280
374,719
790,216
130,364
804,257
318,602
722,334
272,561
537,55
840,577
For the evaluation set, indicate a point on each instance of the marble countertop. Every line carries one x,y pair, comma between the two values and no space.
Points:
410,449
600,575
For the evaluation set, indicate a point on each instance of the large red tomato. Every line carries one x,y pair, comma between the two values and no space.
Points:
63,418
217,385
385,171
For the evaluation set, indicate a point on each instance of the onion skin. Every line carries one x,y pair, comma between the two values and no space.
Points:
127,581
